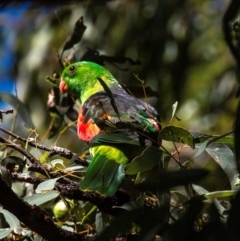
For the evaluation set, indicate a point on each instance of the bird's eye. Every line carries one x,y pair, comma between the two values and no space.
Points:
72,68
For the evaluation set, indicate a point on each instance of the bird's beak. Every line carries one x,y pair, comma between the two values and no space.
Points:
63,86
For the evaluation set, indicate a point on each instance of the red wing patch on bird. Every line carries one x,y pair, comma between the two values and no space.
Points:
154,123
86,131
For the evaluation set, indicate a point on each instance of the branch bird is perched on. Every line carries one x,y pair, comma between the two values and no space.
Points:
127,124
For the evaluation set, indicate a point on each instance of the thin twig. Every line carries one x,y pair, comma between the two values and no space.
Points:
52,151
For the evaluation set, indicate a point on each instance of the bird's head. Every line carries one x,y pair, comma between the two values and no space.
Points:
81,79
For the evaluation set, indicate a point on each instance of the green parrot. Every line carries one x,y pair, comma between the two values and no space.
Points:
114,123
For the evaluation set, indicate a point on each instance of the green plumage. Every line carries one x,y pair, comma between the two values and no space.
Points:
117,125
82,79
106,170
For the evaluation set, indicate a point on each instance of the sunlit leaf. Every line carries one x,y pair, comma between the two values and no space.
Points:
70,229
201,148
46,185
38,199
208,141
200,138
150,157
56,161
11,219
94,208
174,108
177,134
224,156
4,232
74,168
220,194
202,191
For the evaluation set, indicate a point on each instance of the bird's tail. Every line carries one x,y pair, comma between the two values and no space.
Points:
105,173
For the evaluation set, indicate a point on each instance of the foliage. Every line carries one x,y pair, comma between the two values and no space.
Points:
185,190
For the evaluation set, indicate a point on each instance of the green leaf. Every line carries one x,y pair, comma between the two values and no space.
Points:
174,108
202,191
94,208
74,168
201,148
46,185
200,138
22,110
220,194
11,219
4,232
207,142
149,158
38,199
70,229
224,156
99,222
177,134
57,161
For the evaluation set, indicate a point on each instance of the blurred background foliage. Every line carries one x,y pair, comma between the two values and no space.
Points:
179,43
183,57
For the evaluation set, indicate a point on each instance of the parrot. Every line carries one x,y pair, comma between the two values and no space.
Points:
113,122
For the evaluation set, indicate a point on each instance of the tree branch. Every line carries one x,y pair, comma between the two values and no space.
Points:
70,189
52,151
34,218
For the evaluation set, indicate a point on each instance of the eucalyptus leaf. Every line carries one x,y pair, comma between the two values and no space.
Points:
11,219
70,229
224,156
74,168
150,157
220,194
200,138
202,191
46,185
174,108
57,161
4,232
38,199
177,134
99,222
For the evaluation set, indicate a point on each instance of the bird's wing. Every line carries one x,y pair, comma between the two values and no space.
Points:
99,112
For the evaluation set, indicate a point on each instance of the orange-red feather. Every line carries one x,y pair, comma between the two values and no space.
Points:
86,131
